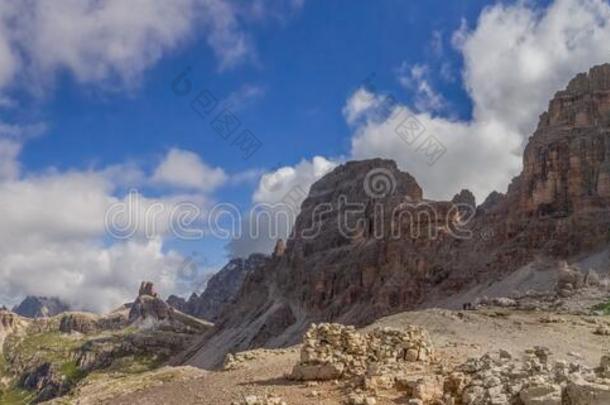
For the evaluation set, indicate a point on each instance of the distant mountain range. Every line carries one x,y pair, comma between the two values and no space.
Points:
40,307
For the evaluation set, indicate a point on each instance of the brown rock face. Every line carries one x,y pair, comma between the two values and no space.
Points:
564,189
366,244
566,165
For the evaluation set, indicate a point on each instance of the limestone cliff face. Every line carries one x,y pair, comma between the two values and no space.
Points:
564,188
566,163
396,251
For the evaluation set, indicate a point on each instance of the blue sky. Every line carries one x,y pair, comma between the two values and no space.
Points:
86,106
305,68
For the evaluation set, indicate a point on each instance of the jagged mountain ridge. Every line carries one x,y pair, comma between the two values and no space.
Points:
221,289
40,307
557,207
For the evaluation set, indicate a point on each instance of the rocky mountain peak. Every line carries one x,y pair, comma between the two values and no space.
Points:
149,311
221,289
381,177
40,307
566,164
597,79
585,102
464,197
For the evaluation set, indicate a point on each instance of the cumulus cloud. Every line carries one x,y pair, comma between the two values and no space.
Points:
515,58
185,169
60,236
362,102
416,79
101,41
9,166
444,156
275,186
519,56
279,192
86,275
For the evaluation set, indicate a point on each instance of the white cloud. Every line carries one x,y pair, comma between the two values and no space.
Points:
360,104
9,166
287,186
114,41
98,40
185,169
519,56
231,45
55,240
52,243
472,148
273,187
416,78
515,59
87,275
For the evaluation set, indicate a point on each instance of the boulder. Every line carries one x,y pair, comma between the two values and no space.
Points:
545,394
581,392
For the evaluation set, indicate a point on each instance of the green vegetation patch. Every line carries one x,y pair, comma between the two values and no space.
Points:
52,347
72,372
604,308
135,364
15,396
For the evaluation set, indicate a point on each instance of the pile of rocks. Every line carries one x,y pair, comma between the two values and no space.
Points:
264,400
602,330
235,361
334,351
404,361
499,379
